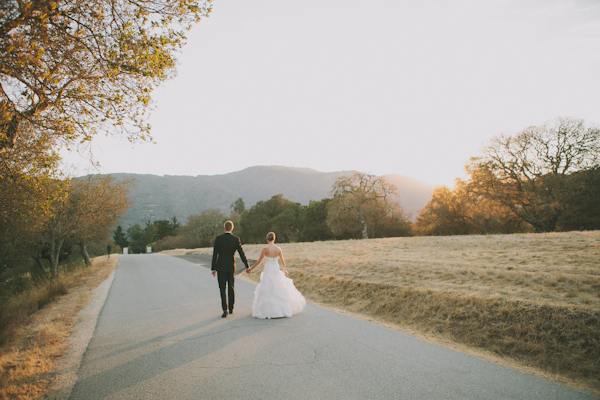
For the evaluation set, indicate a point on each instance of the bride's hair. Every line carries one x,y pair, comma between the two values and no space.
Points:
270,236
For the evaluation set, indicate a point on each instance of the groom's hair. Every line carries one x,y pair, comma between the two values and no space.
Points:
228,226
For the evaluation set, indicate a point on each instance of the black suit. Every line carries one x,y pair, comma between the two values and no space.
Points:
223,261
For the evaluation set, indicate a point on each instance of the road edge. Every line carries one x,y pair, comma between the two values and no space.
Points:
77,343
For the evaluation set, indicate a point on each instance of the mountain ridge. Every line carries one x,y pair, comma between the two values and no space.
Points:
157,197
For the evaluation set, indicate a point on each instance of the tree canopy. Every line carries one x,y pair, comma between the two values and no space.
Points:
526,172
368,204
261,218
460,211
69,68
90,210
29,184
544,178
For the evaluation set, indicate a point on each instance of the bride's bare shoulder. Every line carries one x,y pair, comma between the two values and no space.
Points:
272,251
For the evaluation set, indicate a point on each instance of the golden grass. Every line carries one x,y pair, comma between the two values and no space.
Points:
533,299
38,340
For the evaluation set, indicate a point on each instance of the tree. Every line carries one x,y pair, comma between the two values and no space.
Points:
526,172
72,67
361,203
91,208
164,228
459,211
202,229
120,238
97,201
582,199
30,183
137,239
237,209
287,224
140,237
256,222
175,225
313,221
444,214
238,206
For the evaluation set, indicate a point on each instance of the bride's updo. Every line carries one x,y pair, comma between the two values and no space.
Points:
270,236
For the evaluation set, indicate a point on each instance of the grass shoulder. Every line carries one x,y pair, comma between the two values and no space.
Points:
38,323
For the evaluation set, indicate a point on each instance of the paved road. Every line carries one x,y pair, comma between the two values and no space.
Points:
160,335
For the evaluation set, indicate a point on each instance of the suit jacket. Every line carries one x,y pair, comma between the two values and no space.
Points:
223,259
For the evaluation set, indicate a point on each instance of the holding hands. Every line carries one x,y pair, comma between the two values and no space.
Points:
249,270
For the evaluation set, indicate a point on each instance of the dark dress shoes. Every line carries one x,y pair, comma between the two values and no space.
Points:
224,314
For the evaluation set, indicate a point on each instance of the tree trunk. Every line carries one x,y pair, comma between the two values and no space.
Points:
365,233
40,266
55,257
84,253
53,261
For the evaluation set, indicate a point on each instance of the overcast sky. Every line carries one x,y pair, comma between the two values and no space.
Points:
386,86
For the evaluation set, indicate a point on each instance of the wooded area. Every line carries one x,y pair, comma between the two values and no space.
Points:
544,179
70,69
363,206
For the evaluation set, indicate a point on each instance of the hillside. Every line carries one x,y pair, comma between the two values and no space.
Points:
162,197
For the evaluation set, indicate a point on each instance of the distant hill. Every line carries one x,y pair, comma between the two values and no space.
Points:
163,197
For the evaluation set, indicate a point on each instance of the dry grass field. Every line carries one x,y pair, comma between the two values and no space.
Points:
28,360
532,299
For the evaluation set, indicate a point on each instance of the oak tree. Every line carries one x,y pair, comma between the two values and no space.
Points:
461,211
70,68
29,183
526,172
313,221
90,210
201,230
97,202
363,202
256,222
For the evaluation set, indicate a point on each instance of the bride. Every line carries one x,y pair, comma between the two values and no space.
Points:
275,296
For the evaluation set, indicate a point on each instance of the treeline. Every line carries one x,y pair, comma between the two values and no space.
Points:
68,73
138,238
543,179
44,216
61,83
361,206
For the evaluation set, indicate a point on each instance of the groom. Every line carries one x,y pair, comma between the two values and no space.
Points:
223,264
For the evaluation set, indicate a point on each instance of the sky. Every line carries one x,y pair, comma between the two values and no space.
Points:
413,88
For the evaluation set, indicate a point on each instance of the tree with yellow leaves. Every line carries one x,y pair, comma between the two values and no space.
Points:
69,68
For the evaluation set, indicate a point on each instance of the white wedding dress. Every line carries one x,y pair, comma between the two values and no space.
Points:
276,296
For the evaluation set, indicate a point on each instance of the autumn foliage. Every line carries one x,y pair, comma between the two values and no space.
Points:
543,179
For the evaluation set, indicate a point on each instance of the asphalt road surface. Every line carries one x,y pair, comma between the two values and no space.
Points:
160,335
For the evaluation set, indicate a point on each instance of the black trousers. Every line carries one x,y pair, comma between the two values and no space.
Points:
226,279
